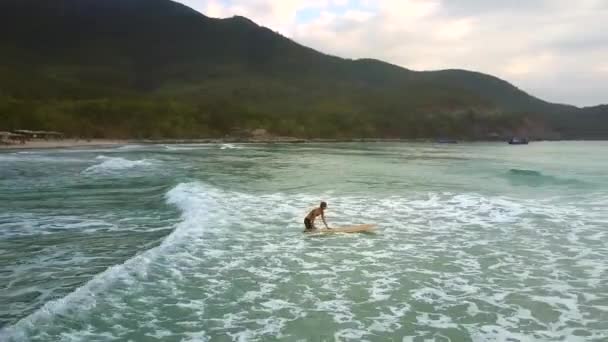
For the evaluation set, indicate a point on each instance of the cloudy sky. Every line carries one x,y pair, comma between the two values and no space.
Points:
553,49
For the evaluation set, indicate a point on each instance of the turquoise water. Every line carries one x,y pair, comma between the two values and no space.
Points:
476,242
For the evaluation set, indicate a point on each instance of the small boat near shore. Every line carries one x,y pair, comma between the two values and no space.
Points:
518,141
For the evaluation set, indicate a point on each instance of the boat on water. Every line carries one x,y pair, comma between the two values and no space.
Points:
518,141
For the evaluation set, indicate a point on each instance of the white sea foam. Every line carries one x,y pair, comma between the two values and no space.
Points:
389,321
28,224
84,299
114,164
187,147
224,265
130,147
265,290
230,147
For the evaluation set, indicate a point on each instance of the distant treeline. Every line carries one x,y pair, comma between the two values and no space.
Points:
157,69
163,118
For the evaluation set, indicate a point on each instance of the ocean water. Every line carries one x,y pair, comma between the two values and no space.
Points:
475,242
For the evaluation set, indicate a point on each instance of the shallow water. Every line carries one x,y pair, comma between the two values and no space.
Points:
481,242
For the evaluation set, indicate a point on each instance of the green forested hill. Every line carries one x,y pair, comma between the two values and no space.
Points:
157,69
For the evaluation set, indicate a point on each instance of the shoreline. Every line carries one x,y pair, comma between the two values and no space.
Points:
65,143
74,143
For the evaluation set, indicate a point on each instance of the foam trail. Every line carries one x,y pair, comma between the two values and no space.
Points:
187,147
471,257
230,147
194,202
130,147
110,164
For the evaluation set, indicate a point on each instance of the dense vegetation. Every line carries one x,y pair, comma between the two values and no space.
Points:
157,69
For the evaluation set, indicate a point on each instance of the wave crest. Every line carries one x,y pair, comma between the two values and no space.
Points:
190,198
112,164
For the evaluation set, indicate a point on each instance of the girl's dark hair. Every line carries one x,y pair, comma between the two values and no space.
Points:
323,205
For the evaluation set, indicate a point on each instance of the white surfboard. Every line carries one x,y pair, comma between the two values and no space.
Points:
362,228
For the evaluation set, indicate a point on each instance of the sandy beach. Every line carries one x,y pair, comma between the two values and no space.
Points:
36,144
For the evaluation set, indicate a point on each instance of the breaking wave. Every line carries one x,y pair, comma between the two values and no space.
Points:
87,297
237,266
112,164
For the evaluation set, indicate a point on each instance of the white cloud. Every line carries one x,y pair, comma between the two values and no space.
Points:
555,49
454,29
358,15
279,15
527,65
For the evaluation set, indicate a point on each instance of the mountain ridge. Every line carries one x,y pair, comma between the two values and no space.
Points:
194,76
